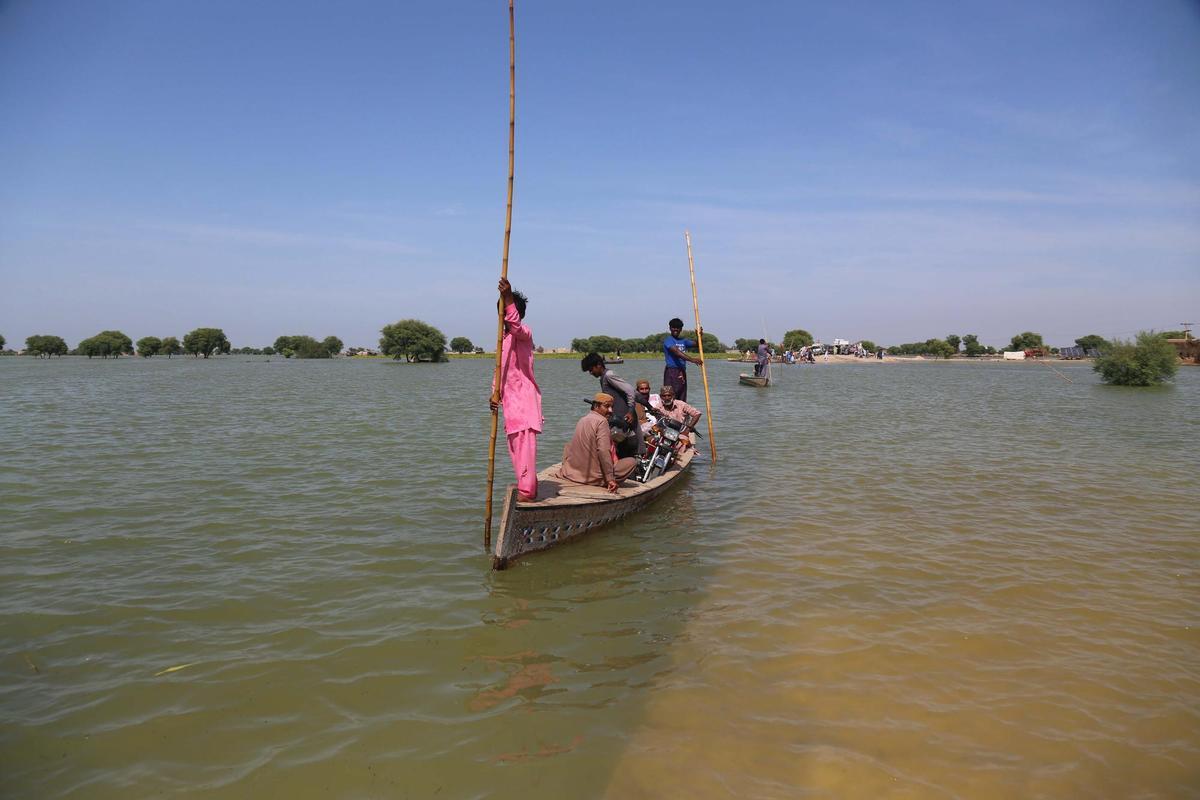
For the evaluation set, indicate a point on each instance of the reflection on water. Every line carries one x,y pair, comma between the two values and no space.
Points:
969,580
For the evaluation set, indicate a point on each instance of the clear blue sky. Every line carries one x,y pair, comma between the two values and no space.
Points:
893,171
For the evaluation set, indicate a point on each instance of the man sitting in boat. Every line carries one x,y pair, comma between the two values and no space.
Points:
590,457
623,423
665,405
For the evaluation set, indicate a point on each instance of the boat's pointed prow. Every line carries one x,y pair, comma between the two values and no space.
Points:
503,543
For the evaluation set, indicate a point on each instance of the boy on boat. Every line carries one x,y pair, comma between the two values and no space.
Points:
625,430
675,351
519,392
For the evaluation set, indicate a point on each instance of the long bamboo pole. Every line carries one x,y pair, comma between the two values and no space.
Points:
497,383
712,442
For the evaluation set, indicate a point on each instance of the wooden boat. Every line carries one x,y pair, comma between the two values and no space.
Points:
564,510
754,380
614,360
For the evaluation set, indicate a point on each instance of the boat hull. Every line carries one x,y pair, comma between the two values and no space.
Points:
752,380
564,511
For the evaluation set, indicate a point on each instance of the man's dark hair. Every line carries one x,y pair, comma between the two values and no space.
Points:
762,341
675,323
590,360
519,300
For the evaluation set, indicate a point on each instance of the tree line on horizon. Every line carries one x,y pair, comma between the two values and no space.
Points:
418,341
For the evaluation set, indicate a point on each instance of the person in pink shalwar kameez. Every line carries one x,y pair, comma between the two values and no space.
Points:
520,395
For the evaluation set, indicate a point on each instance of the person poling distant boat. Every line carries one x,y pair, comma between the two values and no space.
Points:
763,361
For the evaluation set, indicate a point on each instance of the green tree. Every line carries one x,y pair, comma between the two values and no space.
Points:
633,345
868,345
971,346
2,341
461,344
106,344
332,344
743,345
91,347
268,351
939,348
308,347
205,342
1147,361
284,346
170,347
794,340
149,346
1172,335
953,340
606,344
582,345
1025,340
44,345
413,340
1092,341
121,344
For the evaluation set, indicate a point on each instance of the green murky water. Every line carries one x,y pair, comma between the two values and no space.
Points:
901,580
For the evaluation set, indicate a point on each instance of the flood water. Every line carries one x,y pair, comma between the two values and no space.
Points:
249,578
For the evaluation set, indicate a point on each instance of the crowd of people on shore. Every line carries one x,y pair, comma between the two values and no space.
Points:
807,354
611,438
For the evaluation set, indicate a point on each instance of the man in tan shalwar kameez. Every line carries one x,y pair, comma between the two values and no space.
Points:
590,457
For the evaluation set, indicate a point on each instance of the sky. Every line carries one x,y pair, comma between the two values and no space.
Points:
888,171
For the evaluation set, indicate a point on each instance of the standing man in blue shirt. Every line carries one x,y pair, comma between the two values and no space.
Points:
675,351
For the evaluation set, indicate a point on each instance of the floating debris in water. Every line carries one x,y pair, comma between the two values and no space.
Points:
176,668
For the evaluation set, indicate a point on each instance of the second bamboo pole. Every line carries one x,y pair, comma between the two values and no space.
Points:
712,442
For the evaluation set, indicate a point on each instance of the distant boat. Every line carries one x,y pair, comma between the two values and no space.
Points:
614,360
754,380
564,510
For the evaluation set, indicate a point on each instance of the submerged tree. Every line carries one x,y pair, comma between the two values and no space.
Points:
1147,361
106,344
44,345
301,346
205,342
149,346
413,340
332,344
170,347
